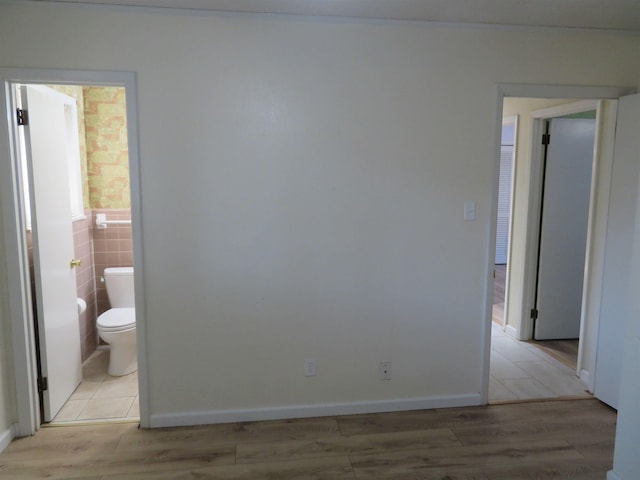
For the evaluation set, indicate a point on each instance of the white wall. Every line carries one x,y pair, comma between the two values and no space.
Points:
8,412
302,192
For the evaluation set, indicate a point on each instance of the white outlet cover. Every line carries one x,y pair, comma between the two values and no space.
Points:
384,371
469,210
310,367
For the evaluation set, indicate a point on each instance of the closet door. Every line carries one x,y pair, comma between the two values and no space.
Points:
563,228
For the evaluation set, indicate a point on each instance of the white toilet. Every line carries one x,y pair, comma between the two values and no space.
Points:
117,326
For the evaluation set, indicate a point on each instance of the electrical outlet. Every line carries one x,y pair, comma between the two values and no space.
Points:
310,367
384,371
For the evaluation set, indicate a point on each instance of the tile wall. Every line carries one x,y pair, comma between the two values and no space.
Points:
112,247
85,283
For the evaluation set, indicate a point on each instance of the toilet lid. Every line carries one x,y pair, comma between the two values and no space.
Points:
117,318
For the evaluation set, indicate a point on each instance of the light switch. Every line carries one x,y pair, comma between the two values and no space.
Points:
469,210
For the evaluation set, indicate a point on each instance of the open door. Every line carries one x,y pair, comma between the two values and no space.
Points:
619,247
47,150
563,229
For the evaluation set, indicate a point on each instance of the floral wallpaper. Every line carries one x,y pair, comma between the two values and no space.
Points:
105,120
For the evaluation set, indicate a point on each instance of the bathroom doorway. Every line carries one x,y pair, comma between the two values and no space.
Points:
77,207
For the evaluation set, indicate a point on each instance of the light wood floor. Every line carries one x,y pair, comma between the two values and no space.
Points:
565,351
545,440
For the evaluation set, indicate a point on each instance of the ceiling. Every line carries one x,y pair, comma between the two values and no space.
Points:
598,14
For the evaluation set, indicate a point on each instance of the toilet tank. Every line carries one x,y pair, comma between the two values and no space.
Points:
119,282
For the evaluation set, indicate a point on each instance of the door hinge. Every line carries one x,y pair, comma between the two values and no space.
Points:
534,313
22,116
546,138
43,384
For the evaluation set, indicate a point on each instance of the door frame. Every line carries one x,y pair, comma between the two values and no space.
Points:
532,173
19,308
599,195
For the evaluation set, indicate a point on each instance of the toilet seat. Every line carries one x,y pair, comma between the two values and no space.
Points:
117,320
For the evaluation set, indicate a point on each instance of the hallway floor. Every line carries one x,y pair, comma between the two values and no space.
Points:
101,397
522,371
528,370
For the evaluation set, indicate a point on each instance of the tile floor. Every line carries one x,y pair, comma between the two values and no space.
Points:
521,371
101,397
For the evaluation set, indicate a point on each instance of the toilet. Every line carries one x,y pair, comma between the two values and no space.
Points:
117,326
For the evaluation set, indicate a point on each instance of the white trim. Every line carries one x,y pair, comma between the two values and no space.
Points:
562,91
585,377
611,475
306,411
15,244
6,437
566,109
18,290
511,331
606,118
600,198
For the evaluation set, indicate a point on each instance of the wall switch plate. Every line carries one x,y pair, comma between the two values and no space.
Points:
310,367
384,371
469,210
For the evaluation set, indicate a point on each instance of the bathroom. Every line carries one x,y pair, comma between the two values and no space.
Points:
103,190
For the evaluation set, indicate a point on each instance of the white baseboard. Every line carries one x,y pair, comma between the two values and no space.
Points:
306,411
585,376
511,331
6,437
611,475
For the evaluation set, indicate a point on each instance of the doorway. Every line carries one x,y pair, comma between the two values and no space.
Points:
522,368
24,315
76,171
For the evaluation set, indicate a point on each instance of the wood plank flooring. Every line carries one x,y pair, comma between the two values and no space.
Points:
565,351
541,440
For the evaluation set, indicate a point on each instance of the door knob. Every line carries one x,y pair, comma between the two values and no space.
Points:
75,263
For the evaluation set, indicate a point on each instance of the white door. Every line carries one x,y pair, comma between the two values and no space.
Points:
563,229
619,245
57,310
